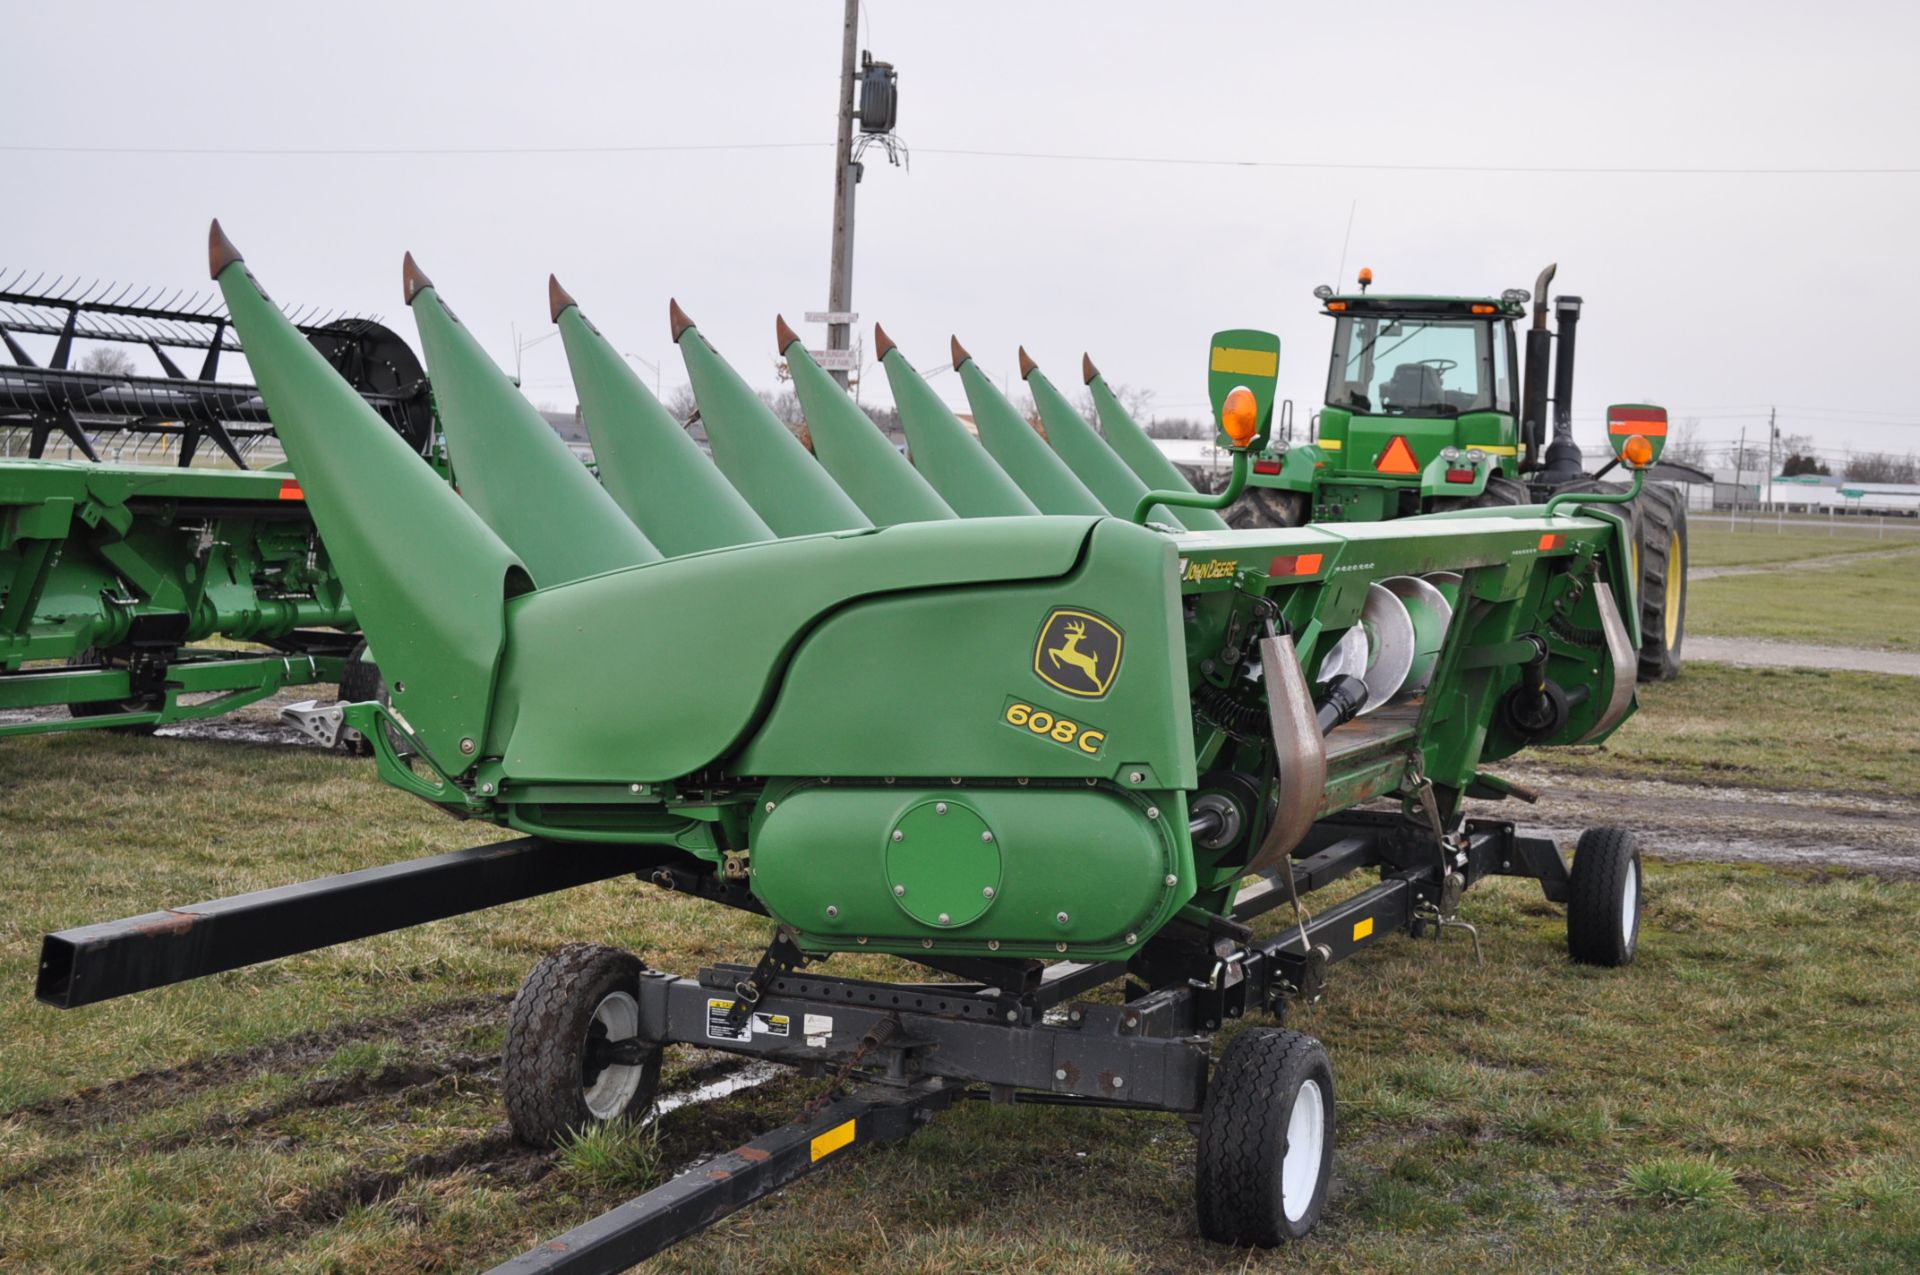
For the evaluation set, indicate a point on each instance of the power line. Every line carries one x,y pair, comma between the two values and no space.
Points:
1180,161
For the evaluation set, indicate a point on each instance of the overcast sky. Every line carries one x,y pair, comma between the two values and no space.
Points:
1715,294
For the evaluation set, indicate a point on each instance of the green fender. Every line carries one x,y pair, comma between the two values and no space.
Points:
867,466
429,578
959,468
1019,448
510,465
658,672
758,454
650,465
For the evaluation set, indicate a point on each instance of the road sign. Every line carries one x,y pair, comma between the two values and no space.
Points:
836,360
832,316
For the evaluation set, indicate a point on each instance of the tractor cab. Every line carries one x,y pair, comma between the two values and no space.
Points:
1422,407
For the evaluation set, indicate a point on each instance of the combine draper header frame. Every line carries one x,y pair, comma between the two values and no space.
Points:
1041,755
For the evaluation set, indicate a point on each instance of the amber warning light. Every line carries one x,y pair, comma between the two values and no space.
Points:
1240,416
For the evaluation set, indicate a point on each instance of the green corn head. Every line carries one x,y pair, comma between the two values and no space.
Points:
971,729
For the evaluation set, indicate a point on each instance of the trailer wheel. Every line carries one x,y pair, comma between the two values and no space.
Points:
1266,1139
1662,553
574,1008
90,658
1604,898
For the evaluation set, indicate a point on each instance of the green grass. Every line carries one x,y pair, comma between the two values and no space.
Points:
1493,1117
1716,545
1763,728
1870,604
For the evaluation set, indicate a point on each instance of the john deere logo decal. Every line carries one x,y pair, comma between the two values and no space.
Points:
1078,652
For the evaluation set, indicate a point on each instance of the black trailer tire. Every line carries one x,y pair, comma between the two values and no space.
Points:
1605,898
574,1003
1662,549
1266,1139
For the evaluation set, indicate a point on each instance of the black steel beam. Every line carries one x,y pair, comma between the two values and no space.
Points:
707,1192
98,962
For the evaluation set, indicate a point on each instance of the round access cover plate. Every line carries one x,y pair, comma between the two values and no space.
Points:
943,864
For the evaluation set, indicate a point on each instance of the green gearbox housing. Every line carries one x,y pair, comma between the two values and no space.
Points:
965,706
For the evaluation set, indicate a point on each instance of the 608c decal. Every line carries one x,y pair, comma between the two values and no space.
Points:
1050,725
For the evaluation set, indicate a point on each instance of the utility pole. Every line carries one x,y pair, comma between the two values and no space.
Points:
1773,467
846,176
1739,473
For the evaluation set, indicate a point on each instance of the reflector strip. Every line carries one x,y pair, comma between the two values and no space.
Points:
1398,458
1331,444
1245,362
1266,466
1362,929
1495,449
832,1140
290,490
1295,564
1552,541
1638,420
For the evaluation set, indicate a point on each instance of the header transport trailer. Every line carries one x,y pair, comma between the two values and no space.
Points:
1067,760
112,574
1425,411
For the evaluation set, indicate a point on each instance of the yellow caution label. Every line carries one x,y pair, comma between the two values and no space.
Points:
832,1140
1361,930
1331,444
1496,449
1246,362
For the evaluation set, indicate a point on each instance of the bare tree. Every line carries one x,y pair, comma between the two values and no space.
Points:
1684,446
1179,427
681,405
786,405
107,360
1883,467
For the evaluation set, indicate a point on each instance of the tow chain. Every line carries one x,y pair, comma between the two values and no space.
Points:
877,1035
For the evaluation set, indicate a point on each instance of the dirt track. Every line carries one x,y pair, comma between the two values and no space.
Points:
1878,835
1767,653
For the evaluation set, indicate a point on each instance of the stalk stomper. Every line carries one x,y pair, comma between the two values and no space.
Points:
110,572
1044,755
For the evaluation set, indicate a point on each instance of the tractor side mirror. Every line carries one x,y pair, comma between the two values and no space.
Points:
1637,432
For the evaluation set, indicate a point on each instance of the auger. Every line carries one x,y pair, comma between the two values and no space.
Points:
1038,753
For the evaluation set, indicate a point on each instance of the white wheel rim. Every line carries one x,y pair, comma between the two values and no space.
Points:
613,1089
1629,903
1306,1147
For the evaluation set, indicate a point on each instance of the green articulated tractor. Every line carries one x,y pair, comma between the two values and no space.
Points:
1425,412
139,595
1020,709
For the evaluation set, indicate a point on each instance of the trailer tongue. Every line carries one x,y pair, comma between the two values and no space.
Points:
1038,754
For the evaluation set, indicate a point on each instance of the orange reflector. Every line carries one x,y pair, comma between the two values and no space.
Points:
1552,541
1336,305
1398,458
1637,452
290,490
1294,564
1483,309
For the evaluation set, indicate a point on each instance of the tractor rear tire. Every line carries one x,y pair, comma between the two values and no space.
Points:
1266,1139
1269,507
1662,531
360,682
1604,898
575,1004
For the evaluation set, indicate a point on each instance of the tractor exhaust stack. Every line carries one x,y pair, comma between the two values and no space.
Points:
1533,418
1563,454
